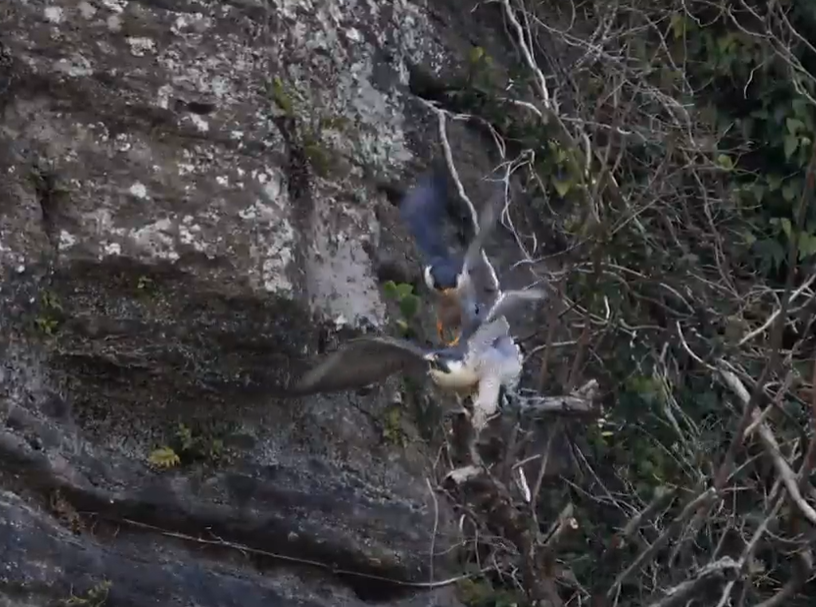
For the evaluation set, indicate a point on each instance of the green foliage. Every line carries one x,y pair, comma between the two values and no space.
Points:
408,302
145,284
50,314
188,446
757,105
97,596
392,426
164,457
46,325
320,157
700,135
281,97
307,129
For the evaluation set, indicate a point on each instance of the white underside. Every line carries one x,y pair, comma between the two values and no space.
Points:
459,380
498,365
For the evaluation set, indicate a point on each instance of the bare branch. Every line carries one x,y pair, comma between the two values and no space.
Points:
720,570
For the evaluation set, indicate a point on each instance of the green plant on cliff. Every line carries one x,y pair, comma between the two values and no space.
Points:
96,596
409,303
188,446
49,313
306,128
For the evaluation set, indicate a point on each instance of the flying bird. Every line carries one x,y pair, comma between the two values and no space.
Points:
446,273
485,360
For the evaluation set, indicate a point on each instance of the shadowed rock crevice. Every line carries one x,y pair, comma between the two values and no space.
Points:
114,355
162,504
135,577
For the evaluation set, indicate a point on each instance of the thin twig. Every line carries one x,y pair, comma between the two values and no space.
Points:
334,570
702,499
787,475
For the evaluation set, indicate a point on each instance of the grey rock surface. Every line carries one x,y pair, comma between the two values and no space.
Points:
186,211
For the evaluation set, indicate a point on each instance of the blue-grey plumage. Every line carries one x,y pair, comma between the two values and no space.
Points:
445,273
423,210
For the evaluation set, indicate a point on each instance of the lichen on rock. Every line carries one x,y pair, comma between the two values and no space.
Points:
187,204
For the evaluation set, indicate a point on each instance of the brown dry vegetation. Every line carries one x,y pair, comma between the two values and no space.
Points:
668,149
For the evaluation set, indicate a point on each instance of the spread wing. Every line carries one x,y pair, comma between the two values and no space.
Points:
509,301
361,362
486,335
423,211
488,219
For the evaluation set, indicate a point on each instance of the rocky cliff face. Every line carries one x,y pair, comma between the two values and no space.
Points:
189,206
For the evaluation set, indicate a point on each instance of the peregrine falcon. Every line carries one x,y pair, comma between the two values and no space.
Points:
445,273
485,360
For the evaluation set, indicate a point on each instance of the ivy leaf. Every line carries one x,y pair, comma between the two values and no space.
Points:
678,25
724,162
789,191
793,125
562,187
759,191
164,457
476,54
409,306
791,143
786,225
807,245
801,107
724,43
391,291
404,290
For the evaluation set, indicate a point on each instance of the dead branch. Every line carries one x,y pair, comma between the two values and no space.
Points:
724,569
698,502
614,548
769,442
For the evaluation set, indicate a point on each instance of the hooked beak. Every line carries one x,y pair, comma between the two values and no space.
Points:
436,363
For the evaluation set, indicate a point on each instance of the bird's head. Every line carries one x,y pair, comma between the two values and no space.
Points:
444,277
445,363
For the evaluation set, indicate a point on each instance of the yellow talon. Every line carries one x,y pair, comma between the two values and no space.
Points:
440,330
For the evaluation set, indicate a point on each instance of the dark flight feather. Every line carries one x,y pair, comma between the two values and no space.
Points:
360,362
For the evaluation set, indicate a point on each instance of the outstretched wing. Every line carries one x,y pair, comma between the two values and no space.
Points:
488,219
361,362
423,211
509,301
485,336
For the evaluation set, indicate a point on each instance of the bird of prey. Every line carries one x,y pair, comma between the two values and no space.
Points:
447,274
485,360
